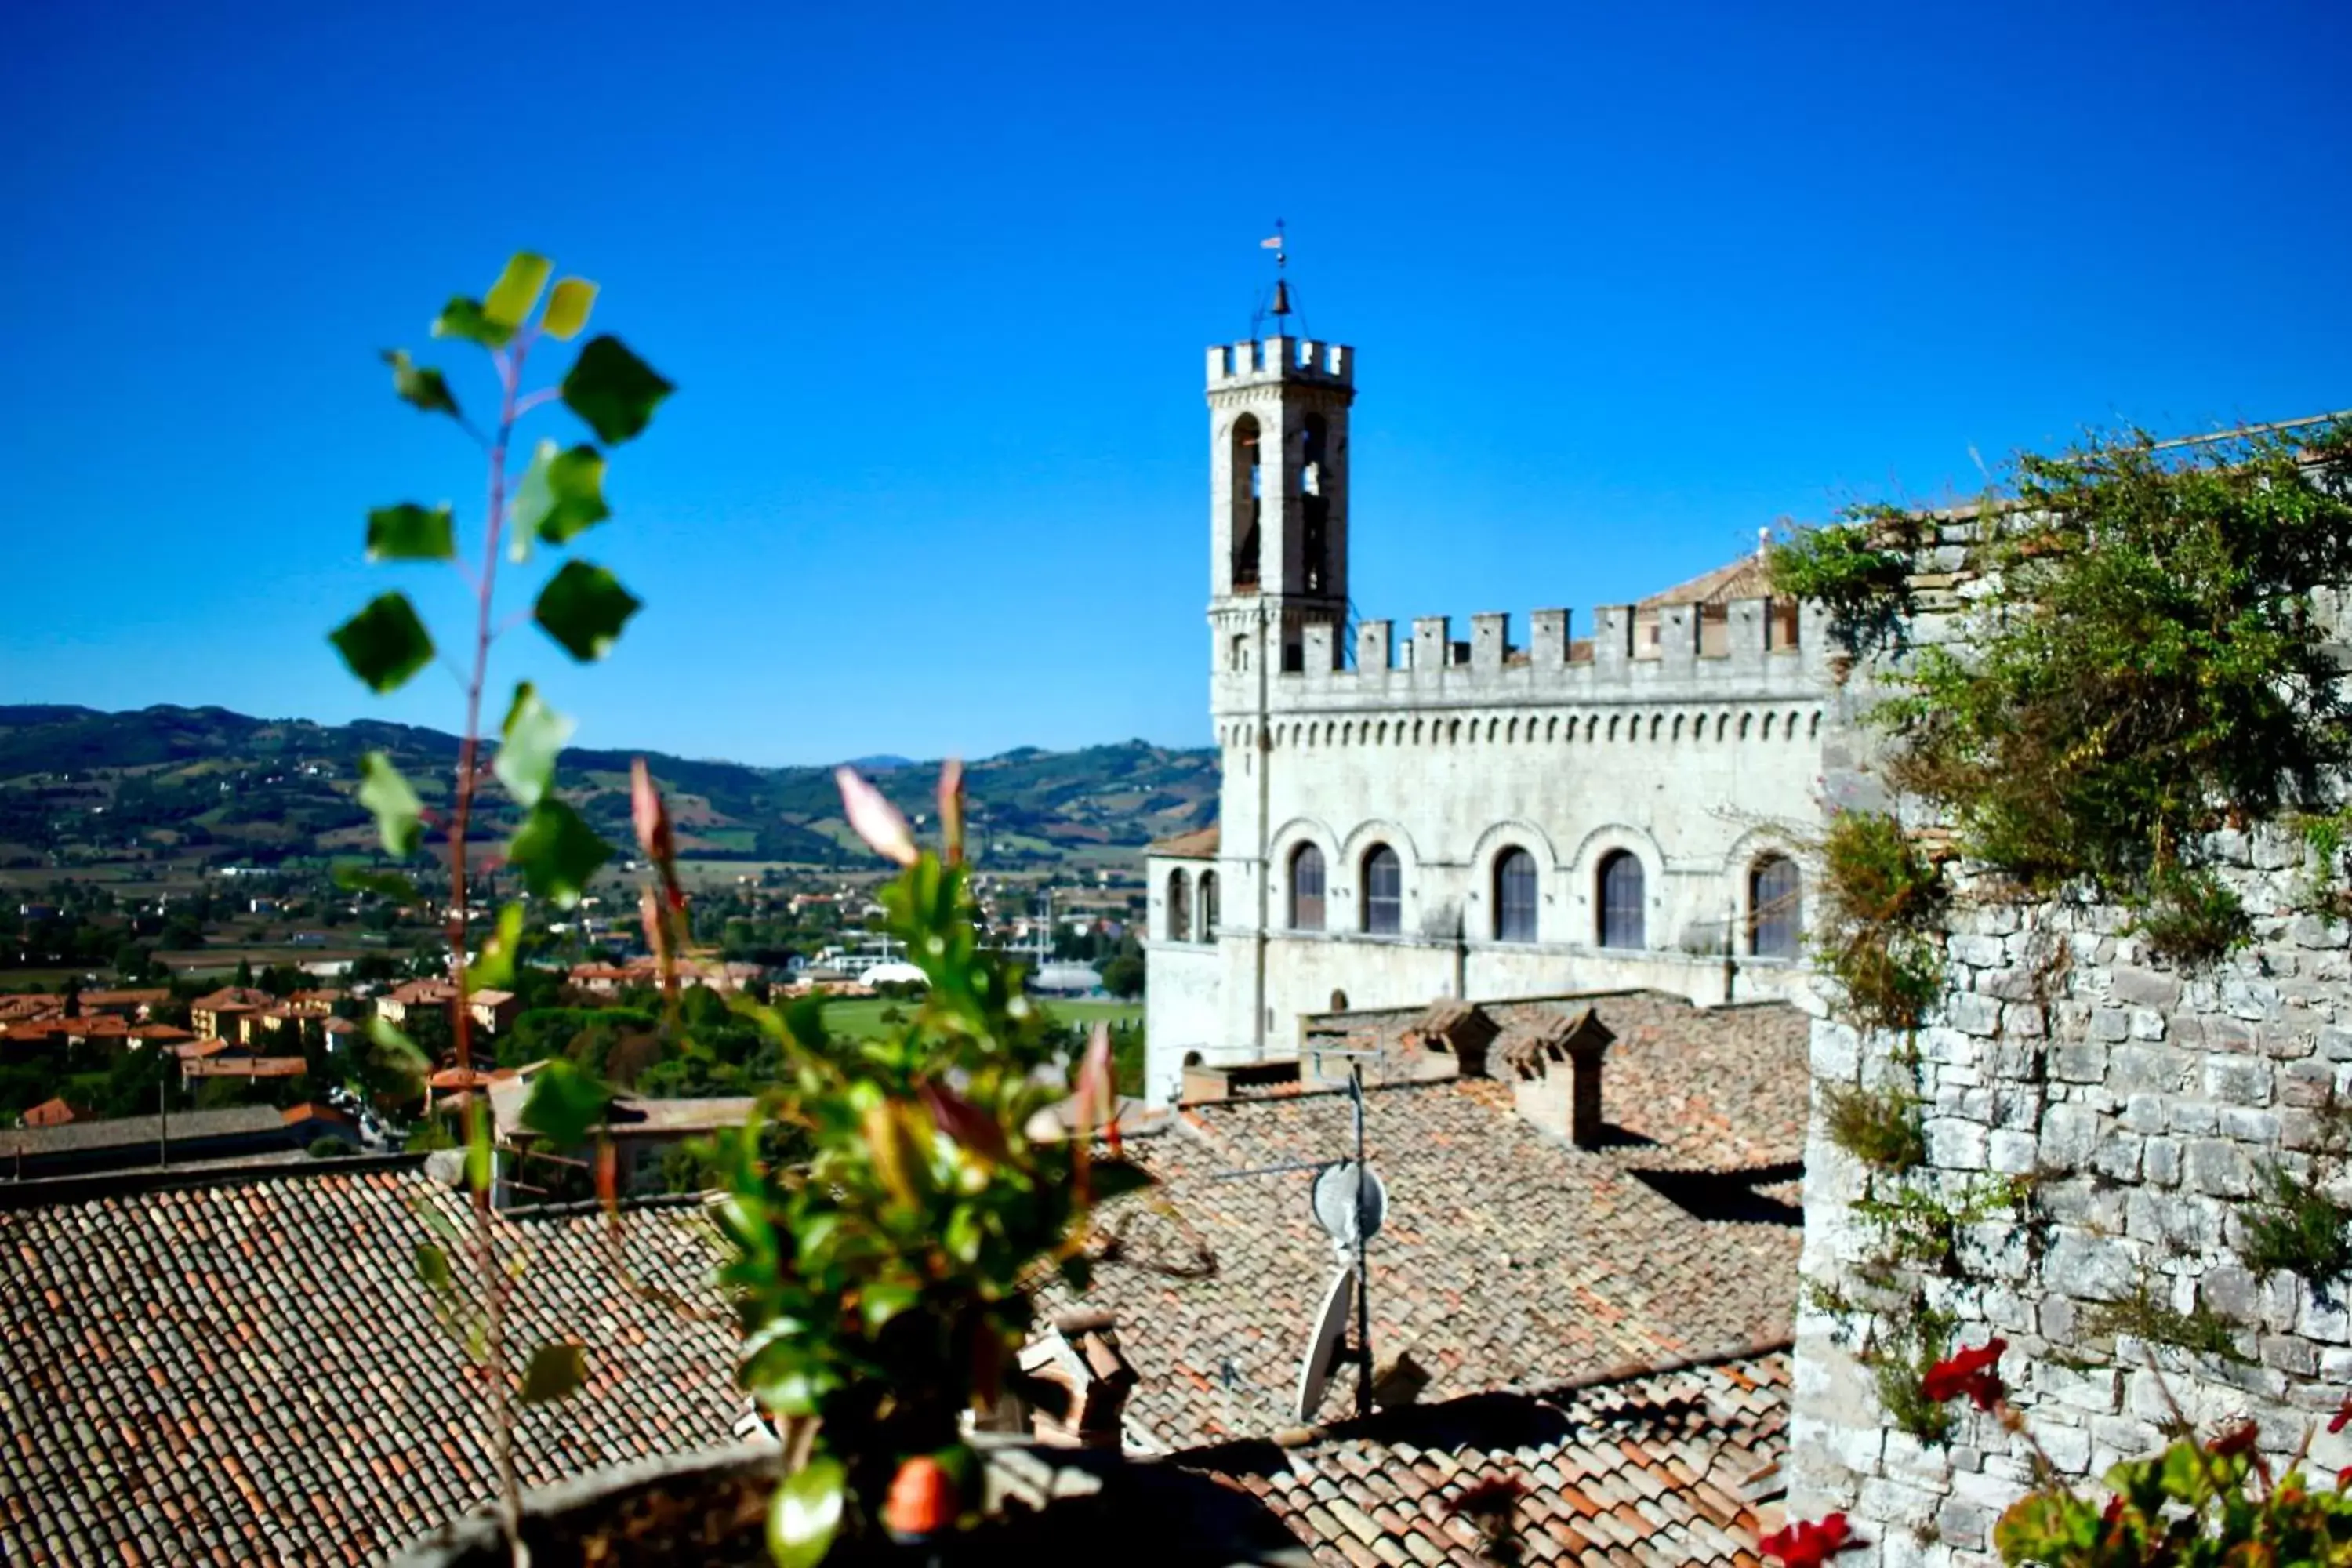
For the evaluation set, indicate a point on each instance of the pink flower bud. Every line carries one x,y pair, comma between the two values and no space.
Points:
874,820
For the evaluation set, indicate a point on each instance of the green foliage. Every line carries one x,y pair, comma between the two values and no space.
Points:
1908,1343
2194,1505
555,1371
330,1149
1858,569
1879,934
556,852
562,494
1917,1224
399,814
411,532
583,608
2295,1226
1880,1127
568,307
2143,668
614,391
922,1205
565,1103
384,644
533,737
2147,1316
805,1514
425,389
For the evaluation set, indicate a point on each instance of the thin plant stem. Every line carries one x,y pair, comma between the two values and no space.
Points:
473,1103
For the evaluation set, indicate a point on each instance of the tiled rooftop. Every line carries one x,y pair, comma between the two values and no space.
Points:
1509,1258
1661,1468
249,1371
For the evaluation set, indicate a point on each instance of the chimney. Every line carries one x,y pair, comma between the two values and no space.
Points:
1080,1354
1451,1040
1556,1062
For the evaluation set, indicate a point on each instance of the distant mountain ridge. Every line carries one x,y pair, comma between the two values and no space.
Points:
80,781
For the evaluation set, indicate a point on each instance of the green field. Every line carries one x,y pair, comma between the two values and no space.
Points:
860,1017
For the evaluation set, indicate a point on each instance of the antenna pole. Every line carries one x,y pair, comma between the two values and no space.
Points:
1363,1284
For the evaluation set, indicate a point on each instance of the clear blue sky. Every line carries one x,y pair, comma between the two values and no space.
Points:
1625,282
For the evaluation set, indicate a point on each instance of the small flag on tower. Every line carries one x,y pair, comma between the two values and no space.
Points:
1273,244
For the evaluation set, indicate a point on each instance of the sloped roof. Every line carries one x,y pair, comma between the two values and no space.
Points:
1661,1467
248,1369
1745,578
1510,1259
1197,844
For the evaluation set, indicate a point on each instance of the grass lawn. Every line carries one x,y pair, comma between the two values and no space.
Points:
860,1017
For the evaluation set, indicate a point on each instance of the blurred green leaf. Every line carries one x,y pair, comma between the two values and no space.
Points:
533,739
805,1514
395,1054
568,307
399,815
517,291
354,876
614,391
562,494
411,532
439,1224
384,644
583,608
481,1161
556,851
1113,1178
883,1300
555,1371
425,388
432,1266
494,969
566,1101
464,318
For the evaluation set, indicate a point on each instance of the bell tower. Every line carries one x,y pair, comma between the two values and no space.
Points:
1277,502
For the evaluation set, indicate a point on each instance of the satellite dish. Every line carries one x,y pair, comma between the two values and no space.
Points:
1349,1204
1323,1350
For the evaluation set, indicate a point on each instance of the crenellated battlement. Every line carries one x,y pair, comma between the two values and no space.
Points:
1253,362
1630,653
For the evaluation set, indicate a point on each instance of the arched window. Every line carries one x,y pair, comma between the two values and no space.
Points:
1244,502
1620,890
1208,906
1776,908
1306,888
1514,896
1383,891
1315,505
1180,908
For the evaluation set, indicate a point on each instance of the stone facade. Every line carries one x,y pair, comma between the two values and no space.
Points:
2135,1108
1679,738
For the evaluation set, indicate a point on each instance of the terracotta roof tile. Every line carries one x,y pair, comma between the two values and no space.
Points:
268,1380
1644,1469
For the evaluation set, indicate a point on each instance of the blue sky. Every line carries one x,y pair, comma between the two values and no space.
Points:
1625,284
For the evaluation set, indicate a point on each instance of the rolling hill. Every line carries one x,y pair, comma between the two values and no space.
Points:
80,785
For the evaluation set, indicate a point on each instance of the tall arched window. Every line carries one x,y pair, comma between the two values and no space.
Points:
1383,891
1306,888
1776,905
1180,908
1315,505
1514,896
1208,906
1620,890
1244,501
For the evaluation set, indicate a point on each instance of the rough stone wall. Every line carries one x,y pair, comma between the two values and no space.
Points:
2139,1104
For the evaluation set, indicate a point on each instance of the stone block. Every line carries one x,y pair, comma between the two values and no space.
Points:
1955,1145
2224,1034
1971,1013
2092,1268
2144,988
2145,1068
2216,1167
2023,1019
2069,1135
2195,1118
2082,1061
2012,1153
2249,1126
2238,1081
2160,1161
2110,1023
2147,1024
2297,1357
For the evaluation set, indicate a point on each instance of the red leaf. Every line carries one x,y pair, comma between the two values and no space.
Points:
1807,1544
963,1120
951,809
650,816
1970,1371
2238,1439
